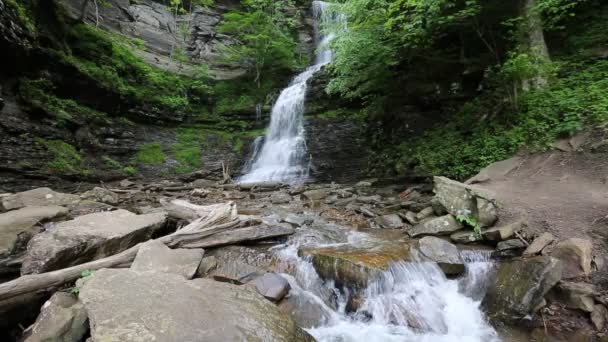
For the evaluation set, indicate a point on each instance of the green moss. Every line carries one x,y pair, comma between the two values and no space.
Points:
39,93
108,58
111,163
66,159
187,151
23,14
151,154
130,170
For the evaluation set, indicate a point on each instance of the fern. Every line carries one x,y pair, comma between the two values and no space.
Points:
471,222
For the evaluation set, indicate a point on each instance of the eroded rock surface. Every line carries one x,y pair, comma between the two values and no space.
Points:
87,238
125,305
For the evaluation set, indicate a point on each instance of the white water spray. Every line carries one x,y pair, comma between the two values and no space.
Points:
410,302
283,156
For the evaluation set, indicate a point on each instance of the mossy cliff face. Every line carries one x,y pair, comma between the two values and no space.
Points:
126,98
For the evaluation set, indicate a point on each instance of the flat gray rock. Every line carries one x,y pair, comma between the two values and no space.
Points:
126,305
87,238
39,197
443,225
539,244
156,257
62,318
16,222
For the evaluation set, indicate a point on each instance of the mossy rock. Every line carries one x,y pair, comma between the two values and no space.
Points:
355,267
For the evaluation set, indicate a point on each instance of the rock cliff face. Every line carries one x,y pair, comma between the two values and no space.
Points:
35,135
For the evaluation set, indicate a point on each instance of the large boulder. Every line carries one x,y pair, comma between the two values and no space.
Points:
155,256
520,286
62,318
126,305
576,256
39,197
87,238
576,295
539,244
445,254
468,200
443,225
355,266
20,225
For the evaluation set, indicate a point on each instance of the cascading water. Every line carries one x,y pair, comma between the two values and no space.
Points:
410,302
283,154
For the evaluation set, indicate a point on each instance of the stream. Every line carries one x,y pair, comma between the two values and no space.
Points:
411,301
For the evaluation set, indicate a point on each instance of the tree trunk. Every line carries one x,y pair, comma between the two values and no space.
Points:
536,43
83,10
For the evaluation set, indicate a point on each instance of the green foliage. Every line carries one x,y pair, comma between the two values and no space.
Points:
267,41
188,150
130,170
108,59
554,12
66,159
23,14
111,163
151,154
471,222
465,144
40,93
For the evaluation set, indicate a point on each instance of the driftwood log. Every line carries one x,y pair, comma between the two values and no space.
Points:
216,225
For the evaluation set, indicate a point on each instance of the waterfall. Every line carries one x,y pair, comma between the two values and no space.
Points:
411,301
283,156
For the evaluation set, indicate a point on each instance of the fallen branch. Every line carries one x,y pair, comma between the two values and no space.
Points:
212,220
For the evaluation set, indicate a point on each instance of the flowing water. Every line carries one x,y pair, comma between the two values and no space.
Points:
283,156
409,302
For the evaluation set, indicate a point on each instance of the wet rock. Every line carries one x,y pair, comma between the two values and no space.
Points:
207,265
315,195
576,256
203,184
509,248
355,266
466,236
126,305
576,295
374,199
155,256
504,232
366,212
443,225
62,318
599,316
392,221
280,198
18,226
88,238
101,195
445,254
39,197
519,287
304,309
461,199
410,217
539,244
424,213
272,286
298,220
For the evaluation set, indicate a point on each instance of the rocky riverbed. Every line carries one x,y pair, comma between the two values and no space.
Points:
328,262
